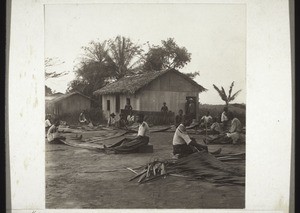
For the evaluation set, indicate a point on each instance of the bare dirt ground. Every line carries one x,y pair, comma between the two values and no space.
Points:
79,178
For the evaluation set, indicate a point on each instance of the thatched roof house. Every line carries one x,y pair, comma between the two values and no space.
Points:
147,92
131,84
68,103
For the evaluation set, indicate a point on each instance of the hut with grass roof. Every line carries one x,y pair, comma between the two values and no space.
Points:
148,91
69,103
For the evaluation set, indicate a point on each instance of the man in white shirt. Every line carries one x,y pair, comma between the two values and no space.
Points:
47,123
132,145
53,135
183,145
143,127
206,120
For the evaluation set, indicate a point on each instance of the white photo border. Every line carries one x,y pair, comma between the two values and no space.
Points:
268,114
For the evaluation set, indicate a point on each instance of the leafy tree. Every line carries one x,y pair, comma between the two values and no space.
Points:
125,57
168,55
105,61
227,98
92,69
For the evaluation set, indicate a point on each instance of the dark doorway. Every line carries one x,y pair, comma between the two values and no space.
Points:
108,105
118,103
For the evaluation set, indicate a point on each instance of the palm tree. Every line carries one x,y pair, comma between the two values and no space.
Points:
224,96
125,56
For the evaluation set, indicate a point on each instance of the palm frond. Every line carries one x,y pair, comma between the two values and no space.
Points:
221,94
230,90
223,91
234,96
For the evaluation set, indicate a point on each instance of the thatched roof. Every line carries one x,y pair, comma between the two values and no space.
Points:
62,97
53,96
132,84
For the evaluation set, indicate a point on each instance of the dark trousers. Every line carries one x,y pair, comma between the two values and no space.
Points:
183,150
129,145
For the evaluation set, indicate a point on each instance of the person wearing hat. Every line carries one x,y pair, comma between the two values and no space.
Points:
111,120
164,108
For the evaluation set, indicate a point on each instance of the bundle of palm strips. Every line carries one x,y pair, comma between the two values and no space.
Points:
197,166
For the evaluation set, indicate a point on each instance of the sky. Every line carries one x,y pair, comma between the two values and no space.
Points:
215,35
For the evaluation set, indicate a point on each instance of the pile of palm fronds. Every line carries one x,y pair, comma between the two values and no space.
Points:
152,171
197,166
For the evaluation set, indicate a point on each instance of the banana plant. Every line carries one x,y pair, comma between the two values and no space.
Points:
227,98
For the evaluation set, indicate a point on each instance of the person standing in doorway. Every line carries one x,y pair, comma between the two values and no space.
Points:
192,108
128,108
165,110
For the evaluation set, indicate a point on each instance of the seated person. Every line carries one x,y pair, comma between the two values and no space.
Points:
132,145
121,123
235,128
111,120
179,118
53,135
216,126
205,121
130,119
47,123
82,118
183,145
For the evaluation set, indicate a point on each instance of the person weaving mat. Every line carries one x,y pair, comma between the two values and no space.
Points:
183,145
132,145
53,135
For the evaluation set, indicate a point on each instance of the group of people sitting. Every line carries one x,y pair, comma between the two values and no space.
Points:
230,127
183,144
120,121
124,119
